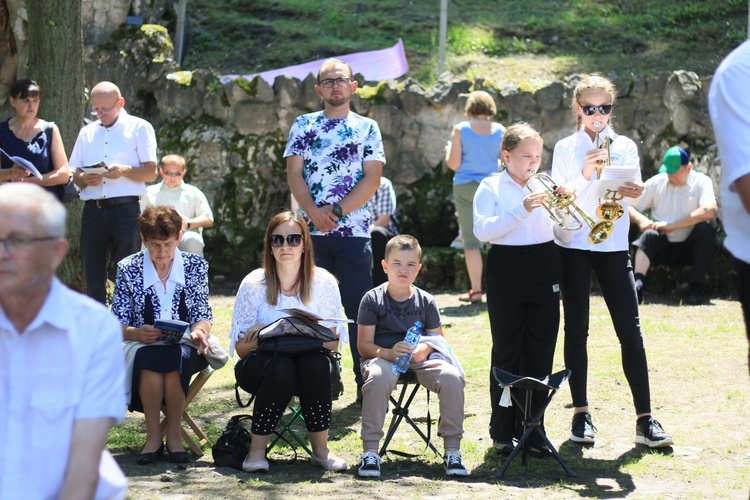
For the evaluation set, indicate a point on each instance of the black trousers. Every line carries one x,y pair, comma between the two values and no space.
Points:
275,378
380,236
741,281
107,234
696,250
523,302
614,273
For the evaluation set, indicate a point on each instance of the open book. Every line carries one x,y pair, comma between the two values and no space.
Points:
24,164
313,316
100,168
171,329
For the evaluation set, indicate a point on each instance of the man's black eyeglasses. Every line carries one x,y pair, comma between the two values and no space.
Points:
277,240
589,110
339,82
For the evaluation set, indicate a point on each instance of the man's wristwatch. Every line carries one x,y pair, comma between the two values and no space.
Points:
188,225
337,210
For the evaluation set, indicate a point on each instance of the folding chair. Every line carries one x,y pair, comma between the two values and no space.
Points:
195,386
285,428
531,423
401,412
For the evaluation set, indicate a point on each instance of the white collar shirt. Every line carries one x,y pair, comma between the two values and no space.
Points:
500,217
129,141
670,203
151,278
729,104
567,167
188,200
67,365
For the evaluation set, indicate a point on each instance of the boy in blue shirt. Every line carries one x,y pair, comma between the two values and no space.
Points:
385,313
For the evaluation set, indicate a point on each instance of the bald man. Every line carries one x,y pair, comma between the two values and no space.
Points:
127,146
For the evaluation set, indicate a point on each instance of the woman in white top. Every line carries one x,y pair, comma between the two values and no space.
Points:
288,279
575,164
523,278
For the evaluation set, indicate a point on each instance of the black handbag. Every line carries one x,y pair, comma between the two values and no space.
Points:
233,445
337,385
293,335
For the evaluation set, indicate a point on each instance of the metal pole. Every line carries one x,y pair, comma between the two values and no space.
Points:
179,35
443,35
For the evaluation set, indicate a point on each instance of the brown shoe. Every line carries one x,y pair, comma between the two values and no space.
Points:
471,296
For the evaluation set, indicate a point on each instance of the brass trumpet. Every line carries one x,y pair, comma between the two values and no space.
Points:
560,205
608,208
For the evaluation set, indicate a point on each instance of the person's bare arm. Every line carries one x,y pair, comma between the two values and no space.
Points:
701,214
197,222
382,221
639,219
145,173
60,170
369,349
453,152
742,186
422,351
324,220
86,445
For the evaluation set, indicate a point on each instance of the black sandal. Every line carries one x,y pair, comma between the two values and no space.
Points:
178,457
151,457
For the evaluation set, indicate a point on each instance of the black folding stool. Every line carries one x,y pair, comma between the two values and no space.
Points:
401,412
531,423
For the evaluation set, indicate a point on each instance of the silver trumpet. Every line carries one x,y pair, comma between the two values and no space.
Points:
562,206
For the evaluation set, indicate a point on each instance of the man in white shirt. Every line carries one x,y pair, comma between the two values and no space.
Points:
729,104
682,203
127,145
61,365
188,200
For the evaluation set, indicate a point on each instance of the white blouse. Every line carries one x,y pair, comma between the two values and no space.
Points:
567,168
250,306
500,217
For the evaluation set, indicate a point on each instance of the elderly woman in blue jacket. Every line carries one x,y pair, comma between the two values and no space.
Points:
161,282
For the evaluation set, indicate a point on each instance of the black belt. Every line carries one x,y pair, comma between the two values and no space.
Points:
109,202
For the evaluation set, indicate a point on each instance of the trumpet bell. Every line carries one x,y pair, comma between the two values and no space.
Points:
600,232
610,210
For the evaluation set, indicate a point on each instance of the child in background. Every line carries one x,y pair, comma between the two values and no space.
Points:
385,314
523,279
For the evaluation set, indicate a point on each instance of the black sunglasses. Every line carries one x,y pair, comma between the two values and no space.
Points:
277,240
589,110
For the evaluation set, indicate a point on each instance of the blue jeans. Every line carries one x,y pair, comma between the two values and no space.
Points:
350,261
107,233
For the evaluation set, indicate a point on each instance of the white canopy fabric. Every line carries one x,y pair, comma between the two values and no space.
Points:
374,65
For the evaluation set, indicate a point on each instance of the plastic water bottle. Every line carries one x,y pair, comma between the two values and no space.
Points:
413,334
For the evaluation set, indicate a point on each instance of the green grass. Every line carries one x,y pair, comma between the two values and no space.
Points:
699,389
501,40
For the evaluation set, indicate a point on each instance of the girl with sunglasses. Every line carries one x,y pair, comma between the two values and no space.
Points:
288,279
575,164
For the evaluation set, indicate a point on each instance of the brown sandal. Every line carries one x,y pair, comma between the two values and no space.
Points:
471,296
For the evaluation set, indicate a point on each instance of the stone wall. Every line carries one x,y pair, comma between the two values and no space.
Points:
233,135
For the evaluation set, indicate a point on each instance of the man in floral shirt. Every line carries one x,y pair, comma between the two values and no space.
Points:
334,160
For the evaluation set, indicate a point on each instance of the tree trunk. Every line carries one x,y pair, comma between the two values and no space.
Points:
56,62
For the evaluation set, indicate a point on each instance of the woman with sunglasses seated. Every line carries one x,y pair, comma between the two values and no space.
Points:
288,279
161,282
575,163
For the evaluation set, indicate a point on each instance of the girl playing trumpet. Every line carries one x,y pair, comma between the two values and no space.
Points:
523,277
575,163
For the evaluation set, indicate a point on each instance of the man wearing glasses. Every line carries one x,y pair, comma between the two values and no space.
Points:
334,160
62,371
188,200
126,145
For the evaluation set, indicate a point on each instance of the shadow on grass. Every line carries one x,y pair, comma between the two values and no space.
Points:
596,478
463,311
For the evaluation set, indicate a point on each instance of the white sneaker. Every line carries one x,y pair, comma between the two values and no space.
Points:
370,465
453,464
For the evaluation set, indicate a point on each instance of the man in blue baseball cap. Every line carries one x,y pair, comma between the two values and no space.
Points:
682,203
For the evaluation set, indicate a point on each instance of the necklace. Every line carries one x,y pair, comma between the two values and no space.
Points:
164,278
290,290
